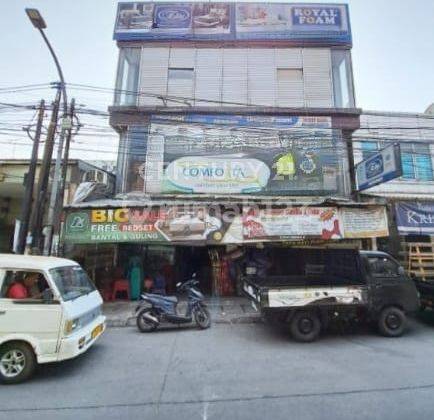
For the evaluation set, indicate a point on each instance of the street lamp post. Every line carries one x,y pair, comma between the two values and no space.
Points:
39,23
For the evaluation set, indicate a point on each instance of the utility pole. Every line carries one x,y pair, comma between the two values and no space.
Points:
37,216
66,128
26,206
54,217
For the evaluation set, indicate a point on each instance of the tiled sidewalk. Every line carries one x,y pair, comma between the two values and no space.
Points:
223,310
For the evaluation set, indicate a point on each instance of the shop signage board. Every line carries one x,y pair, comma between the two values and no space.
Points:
201,224
233,155
415,218
380,167
319,24
364,222
280,224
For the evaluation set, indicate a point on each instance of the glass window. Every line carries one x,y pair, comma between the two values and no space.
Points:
287,75
416,161
342,79
180,74
128,76
383,267
23,285
72,282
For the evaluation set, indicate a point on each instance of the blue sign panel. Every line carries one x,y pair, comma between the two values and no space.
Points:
415,218
172,16
318,24
381,167
316,17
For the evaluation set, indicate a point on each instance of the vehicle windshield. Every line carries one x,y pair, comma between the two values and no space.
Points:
72,282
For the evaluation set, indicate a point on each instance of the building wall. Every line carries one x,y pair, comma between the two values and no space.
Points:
278,77
415,133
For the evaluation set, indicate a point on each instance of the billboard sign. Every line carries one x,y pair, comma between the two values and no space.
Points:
381,167
234,156
415,218
281,224
200,224
303,23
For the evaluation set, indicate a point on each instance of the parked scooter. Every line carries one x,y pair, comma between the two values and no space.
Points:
164,308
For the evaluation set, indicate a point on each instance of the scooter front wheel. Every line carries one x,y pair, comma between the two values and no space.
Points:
202,317
144,324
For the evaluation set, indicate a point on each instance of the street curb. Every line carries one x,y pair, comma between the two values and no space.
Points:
131,321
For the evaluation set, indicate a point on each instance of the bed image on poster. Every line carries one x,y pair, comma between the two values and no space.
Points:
197,158
211,19
137,17
261,18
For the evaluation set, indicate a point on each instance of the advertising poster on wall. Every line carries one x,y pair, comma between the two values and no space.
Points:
171,224
315,23
211,18
415,218
172,17
277,224
201,224
261,17
135,17
364,223
232,159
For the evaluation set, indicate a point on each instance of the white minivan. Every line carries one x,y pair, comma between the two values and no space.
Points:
49,311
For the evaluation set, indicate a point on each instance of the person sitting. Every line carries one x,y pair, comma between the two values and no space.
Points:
17,290
31,281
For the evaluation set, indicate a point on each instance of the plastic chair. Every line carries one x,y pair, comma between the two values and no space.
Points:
121,286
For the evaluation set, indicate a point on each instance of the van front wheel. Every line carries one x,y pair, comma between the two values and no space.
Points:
17,362
391,322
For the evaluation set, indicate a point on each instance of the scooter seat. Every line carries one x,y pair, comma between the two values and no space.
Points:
172,299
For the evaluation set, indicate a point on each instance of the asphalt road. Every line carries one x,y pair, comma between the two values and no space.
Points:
248,371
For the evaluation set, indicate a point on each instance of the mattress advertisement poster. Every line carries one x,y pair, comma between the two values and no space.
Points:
149,224
314,23
200,224
278,224
287,155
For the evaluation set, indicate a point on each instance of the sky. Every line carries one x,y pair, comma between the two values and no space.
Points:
393,58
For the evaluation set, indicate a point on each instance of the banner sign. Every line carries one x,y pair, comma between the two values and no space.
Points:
415,218
364,222
381,167
205,224
278,224
293,155
143,225
323,24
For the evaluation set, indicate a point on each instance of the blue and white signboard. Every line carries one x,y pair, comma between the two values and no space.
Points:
415,218
381,167
317,24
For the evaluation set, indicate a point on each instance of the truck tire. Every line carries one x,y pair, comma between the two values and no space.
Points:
392,322
305,326
17,362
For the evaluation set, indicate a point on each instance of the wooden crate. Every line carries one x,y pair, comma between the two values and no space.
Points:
420,260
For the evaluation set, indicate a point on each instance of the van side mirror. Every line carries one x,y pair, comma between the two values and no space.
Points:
401,271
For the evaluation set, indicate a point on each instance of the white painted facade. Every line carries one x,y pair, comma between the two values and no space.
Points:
278,77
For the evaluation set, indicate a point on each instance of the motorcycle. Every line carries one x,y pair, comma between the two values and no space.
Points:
164,308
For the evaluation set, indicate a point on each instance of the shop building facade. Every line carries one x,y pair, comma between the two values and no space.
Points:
235,124
409,198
